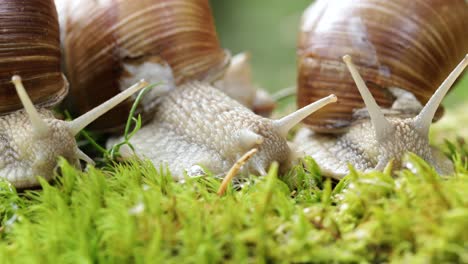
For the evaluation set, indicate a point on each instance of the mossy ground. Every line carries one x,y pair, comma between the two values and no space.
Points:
134,213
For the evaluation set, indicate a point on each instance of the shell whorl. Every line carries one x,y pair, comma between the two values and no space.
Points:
30,47
103,38
411,45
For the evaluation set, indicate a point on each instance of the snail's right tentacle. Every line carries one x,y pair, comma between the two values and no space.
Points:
40,128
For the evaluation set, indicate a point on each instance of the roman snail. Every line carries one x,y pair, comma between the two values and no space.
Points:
31,139
176,42
404,51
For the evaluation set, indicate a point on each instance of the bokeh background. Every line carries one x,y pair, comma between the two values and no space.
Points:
268,30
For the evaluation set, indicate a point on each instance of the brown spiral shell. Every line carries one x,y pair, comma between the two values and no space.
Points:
30,47
101,36
411,45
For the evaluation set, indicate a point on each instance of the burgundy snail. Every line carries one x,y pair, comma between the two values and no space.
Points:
404,50
31,139
193,124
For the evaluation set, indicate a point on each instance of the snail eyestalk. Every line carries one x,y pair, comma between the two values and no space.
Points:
81,122
285,124
40,128
423,121
82,156
249,139
381,125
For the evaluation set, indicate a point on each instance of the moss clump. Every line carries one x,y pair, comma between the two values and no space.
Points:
136,213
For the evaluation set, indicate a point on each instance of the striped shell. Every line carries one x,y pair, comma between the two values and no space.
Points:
30,47
102,39
411,45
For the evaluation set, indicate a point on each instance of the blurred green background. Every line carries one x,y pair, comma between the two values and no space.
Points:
268,30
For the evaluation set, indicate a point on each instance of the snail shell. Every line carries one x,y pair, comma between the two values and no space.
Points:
109,44
412,45
30,46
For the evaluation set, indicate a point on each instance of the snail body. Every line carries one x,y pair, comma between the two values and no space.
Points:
198,125
402,60
26,154
31,138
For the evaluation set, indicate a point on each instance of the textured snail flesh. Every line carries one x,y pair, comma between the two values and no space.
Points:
24,156
359,148
198,125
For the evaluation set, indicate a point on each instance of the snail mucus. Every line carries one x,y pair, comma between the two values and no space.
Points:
404,51
31,138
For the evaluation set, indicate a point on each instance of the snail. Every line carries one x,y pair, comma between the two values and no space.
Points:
404,51
192,124
176,42
32,139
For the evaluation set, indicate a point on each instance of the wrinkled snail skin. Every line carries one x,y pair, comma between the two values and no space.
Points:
359,148
373,142
198,125
24,156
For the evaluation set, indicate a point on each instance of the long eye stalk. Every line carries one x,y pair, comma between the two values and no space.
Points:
381,125
40,128
81,122
285,124
424,119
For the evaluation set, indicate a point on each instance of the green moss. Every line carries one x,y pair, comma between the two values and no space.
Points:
136,213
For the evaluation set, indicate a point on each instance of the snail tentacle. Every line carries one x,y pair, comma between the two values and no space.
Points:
285,124
423,121
82,156
249,139
40,128
81,122
381,125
